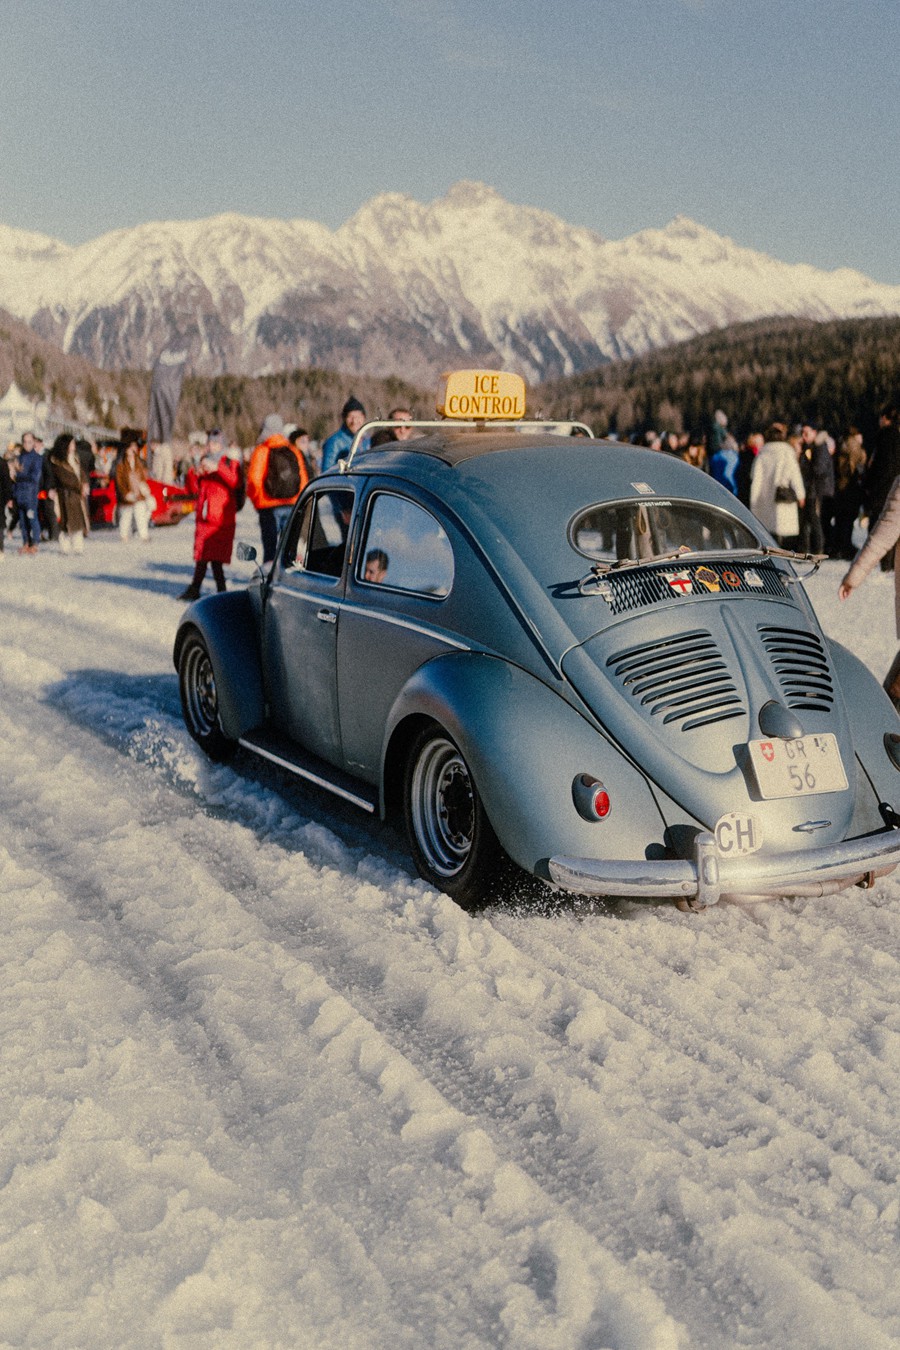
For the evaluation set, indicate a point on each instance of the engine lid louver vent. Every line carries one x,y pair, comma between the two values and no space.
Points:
801,664
681,680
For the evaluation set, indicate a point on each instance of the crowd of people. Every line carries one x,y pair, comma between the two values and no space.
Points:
808,489
53,495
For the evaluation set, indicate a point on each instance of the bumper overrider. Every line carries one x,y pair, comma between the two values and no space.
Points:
708,877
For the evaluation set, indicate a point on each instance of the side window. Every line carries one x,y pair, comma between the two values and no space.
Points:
297,541
318,538
405,549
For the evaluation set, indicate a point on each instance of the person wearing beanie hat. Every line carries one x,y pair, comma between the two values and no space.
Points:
337,446
272,426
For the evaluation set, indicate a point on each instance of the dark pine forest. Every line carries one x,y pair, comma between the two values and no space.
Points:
834,375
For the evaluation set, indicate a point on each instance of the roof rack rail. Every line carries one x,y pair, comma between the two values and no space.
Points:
550,427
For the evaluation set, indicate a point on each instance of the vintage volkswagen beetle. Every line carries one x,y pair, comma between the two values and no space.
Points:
556,654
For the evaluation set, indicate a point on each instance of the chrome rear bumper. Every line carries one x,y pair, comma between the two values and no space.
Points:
708,876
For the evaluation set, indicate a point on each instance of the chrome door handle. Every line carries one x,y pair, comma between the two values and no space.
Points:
326,616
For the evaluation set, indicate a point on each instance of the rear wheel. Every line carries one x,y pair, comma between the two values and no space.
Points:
200,699
452,841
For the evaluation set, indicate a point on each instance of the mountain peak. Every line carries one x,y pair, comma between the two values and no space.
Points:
469,193
683,227
407,288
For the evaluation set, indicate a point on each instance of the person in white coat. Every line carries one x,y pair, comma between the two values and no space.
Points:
777,490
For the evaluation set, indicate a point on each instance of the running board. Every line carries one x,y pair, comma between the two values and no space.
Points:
311,768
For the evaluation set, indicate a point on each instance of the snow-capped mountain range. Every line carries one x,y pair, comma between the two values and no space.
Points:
404,288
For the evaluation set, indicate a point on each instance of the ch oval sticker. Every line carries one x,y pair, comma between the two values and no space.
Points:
737,835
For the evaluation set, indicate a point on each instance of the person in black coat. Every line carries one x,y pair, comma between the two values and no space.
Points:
881,471
884,463
6,496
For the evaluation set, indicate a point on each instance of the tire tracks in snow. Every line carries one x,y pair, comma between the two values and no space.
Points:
560,1027
544,1278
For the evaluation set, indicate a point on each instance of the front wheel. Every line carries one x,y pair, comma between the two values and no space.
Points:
200,699
452,841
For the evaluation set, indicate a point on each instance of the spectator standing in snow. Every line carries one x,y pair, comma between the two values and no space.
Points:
337,446
719,435
299,439
47,521
882,470
724,464
776,490
25,493
818,476
69,494
849,465
884,463
746,460
6,496
276,476
134,495
220,487
401,415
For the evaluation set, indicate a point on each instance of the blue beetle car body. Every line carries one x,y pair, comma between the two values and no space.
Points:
550,653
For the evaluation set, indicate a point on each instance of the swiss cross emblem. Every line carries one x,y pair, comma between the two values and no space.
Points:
768,750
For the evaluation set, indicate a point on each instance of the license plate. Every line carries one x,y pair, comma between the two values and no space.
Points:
798,768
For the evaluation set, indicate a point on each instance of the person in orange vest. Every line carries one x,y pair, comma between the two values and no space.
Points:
276,476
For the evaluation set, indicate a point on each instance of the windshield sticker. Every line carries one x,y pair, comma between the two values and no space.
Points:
645,489
680,582
707,578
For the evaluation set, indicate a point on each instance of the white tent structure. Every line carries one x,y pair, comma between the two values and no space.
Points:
18,413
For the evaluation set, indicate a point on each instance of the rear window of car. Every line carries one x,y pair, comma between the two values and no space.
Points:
643,529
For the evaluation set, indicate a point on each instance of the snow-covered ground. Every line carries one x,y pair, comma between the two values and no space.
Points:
259,1086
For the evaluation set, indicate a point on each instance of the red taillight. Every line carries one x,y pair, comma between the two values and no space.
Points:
591,798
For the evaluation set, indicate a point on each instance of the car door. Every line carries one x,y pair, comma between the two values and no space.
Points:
302,620
393,618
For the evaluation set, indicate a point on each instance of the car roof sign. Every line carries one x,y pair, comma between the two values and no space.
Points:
467,400
481,395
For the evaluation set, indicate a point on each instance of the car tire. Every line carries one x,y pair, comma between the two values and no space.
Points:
451,839
200,699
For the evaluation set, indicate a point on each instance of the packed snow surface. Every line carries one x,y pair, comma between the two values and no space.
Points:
260,1086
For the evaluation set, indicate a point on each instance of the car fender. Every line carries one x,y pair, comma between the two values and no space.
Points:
525,746
229,625
872,716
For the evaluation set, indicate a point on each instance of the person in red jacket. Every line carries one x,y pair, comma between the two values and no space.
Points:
276,476
220,483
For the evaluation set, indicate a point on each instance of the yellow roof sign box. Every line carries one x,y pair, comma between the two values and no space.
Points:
476,395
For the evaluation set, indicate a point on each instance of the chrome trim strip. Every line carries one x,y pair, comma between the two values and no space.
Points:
811,872
367,613
309,775
437,633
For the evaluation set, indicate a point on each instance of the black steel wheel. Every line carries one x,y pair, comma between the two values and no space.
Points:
451,839
200,699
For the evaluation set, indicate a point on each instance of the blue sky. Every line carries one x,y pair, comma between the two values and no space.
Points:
775,123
